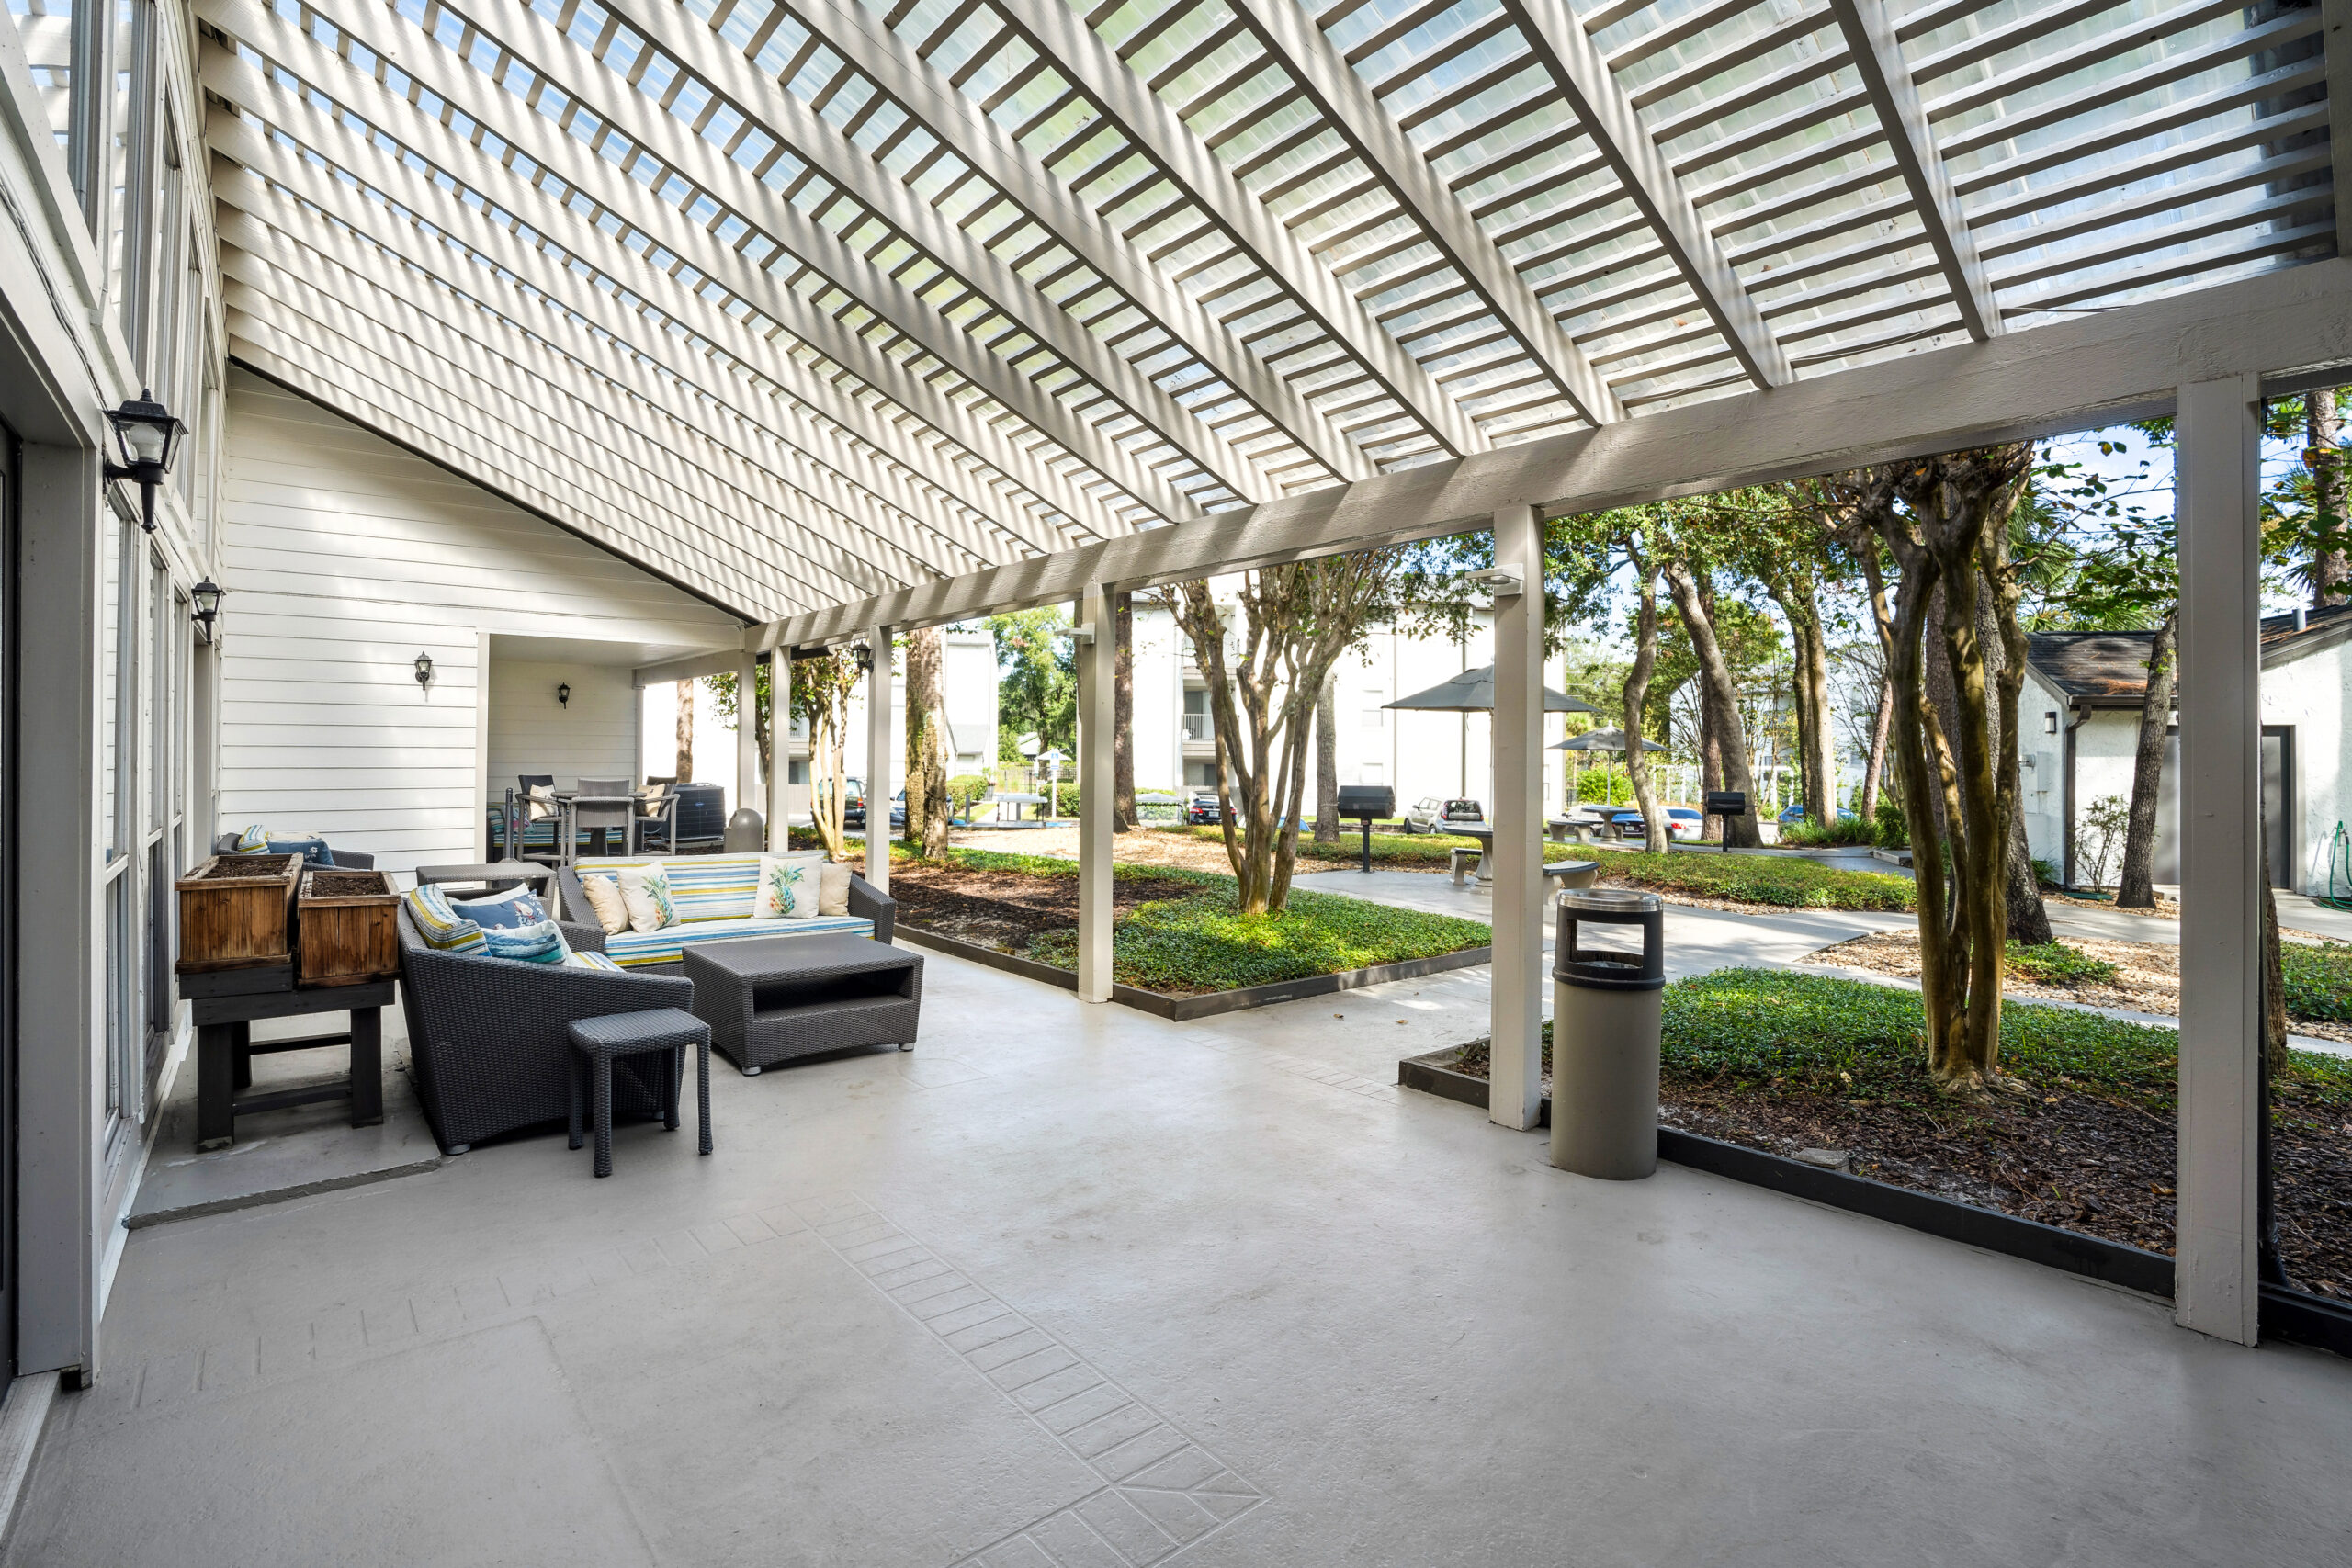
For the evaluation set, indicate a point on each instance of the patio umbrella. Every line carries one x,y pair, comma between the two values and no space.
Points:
1473,691
1598,741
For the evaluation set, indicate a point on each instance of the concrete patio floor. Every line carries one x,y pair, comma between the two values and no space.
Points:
1074,1286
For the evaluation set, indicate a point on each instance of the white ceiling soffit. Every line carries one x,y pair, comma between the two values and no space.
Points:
825,301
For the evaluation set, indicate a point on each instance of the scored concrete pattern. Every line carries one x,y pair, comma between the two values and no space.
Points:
1162,1491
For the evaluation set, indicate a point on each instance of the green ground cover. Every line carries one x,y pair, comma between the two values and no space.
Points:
1783,881
2319,980
1198,943
1816,1035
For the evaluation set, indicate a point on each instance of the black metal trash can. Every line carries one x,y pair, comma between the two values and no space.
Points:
1607,1005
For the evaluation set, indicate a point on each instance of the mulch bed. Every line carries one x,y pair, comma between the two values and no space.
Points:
2147,975
1006,909
2079,1161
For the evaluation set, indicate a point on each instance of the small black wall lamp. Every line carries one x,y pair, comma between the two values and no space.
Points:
149,438
205,599
424,670
563,694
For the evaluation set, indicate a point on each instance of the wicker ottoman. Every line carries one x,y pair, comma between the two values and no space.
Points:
773,998
598,1043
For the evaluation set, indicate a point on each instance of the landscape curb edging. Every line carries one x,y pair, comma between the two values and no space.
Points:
1182,1010
2294,1316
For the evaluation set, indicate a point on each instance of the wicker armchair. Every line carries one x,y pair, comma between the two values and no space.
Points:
486,1036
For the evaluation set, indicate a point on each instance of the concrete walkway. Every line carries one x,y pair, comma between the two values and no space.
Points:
1074,1286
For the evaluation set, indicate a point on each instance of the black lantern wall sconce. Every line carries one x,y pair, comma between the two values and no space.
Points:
563,694
148,438
205,598
863,653
424,669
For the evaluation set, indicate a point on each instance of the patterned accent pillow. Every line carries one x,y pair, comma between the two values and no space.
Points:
515,906
646,891
252,841
789,887
540,943
439,925
604,902
591,961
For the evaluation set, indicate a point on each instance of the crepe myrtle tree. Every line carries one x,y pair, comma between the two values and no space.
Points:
1266,658
820,693
1944,522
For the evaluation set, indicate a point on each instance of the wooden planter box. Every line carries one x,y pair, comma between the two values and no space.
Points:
348,933
237,912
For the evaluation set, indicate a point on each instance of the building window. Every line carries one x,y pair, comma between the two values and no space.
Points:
1196,714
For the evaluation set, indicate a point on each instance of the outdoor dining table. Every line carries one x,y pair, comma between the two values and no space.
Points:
569,801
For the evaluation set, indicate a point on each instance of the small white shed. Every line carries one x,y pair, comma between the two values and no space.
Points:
2079,716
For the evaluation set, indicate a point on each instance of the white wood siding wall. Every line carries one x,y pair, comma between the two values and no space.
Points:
344,557
593,736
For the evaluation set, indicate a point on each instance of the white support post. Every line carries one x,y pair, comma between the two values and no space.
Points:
779,829
1096,690
2217,480
1516,1089
881,750
747,735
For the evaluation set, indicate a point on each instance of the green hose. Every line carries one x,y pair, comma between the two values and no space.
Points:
2339,865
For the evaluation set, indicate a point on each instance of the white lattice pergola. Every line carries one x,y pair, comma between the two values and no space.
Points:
854,316
805,304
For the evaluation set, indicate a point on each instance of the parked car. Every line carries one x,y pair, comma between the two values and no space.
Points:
1795,814
1202,807
1434,814
1681,823
899,812
852,803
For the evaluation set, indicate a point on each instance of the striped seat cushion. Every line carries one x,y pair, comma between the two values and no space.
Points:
634,949
702,887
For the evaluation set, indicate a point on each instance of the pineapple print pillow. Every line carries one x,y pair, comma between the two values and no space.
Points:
788,886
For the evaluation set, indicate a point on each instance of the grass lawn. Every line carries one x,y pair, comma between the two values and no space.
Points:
1783,882
1197,943
2319,980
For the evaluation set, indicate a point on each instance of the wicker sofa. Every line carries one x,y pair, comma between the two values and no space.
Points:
714,896
487,1042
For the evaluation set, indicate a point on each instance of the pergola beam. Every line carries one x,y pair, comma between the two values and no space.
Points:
2072,375
1148,122
1299,44
411,126
922,90
1575,64
2335,38
823,147
941,543
1877,59
469,91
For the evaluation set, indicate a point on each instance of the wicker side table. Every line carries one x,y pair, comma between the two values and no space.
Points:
770,1000
598,1041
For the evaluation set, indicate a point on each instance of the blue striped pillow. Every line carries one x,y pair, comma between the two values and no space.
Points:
540,943
439,925
591,961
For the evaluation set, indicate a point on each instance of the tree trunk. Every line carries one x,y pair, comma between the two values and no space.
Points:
1719,695
1809,683
2025,919
1123,713
928,808
685,763
1874,770
2137,890
1637,691
2331,571
1327,762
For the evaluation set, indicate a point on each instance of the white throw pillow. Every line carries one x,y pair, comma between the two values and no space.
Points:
644,889
788,886
605,903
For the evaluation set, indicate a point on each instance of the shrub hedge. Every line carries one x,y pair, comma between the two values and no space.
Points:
1782,881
